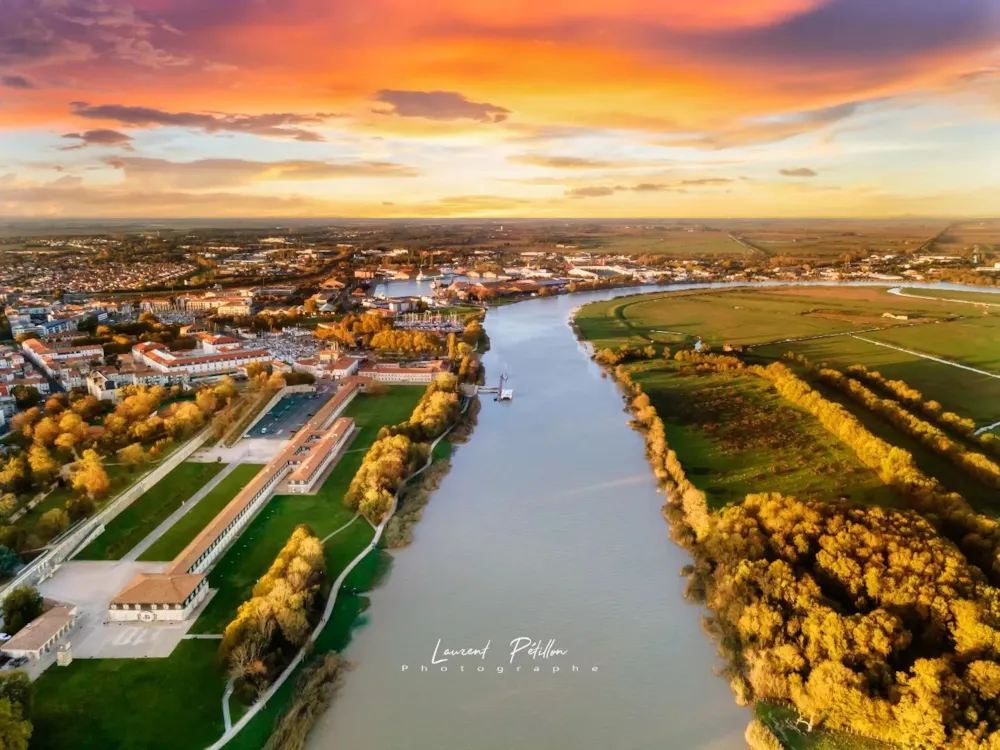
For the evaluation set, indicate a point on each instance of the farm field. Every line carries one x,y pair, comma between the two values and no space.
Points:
754,316
974,341
988,297
968,394
801,239
675,243
961,237
178,536
248,559
737,436
132,525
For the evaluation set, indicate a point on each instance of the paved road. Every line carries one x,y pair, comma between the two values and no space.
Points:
987,428
928,356
900,293
178,514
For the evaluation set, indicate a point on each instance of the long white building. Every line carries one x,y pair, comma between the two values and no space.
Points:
176,593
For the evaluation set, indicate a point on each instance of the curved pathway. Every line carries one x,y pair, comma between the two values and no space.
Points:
898,291
332,534
233,729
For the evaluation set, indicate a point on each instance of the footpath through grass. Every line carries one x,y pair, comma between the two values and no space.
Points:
140,518
248,559
178,536
176,703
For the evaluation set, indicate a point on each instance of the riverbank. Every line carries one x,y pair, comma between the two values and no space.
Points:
706,418
538,529
314,690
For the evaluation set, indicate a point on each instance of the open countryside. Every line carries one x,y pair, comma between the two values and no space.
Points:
716,409
828,324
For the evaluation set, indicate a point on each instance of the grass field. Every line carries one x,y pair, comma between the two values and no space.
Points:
989,297
974,341
752,316
178,536
248,559
97,704
150,703
758,316
966,393
132,525
736,436
675,243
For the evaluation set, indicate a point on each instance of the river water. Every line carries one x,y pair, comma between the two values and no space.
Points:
547,527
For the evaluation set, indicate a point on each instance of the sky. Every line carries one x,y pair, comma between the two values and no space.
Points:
467,108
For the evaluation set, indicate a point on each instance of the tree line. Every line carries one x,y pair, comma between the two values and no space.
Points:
276,621
58,446
865,619
401,449
931,410
975,464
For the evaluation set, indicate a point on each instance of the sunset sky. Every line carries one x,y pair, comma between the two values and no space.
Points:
558,108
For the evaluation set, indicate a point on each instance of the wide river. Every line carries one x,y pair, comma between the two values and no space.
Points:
547,527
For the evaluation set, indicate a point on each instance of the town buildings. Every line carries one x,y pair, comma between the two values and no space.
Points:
197,363
414,374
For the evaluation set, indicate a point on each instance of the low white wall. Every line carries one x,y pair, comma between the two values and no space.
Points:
76,539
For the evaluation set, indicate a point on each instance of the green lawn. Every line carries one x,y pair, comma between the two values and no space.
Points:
178,536
736,435
176,702
248,559
751,316
154,704
973,341
140,518
968,394
988,297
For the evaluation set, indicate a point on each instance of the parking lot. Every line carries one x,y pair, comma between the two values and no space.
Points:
291,412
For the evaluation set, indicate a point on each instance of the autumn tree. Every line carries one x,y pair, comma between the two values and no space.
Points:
52,523
133,455
43,466
15,729
89,476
